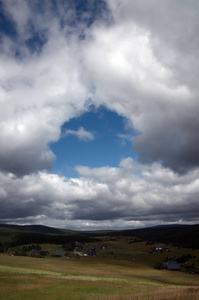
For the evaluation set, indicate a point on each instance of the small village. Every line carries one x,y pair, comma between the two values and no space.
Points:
76,249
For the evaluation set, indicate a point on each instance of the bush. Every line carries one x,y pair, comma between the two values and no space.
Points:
159,266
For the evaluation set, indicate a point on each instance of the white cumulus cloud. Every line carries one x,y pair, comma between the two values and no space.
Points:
129,195
81,134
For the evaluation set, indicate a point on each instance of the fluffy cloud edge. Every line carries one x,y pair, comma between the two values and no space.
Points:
81,134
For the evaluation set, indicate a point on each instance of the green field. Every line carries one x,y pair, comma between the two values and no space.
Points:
128,273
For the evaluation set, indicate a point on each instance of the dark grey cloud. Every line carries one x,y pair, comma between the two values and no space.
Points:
25,161
172,134
171,138
152,76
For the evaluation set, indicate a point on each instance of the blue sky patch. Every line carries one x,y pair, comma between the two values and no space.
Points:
7,26
106,146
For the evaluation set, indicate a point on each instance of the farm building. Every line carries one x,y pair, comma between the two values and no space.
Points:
61,254
159,249
78,245
103,247
171,265
90,252
33,252
44,253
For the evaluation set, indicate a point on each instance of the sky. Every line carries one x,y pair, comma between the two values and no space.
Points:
99,113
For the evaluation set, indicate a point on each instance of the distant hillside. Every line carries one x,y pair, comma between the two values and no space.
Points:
171,225
182,236
16,235
37,228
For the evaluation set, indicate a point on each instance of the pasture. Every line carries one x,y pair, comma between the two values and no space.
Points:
125,270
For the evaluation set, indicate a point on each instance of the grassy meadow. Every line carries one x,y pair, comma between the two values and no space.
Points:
127,273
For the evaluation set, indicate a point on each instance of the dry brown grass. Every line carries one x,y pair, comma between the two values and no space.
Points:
164,293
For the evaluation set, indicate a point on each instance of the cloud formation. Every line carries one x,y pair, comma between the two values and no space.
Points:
130,65
148,66
81,134
137,58
134,193
39,90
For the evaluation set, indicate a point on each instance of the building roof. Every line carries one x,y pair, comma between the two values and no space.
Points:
61,253
171,265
